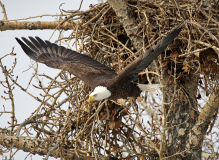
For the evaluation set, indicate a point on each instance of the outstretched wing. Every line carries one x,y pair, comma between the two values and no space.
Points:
131,71
80,65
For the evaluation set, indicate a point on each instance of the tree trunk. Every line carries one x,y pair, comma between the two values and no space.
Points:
181,114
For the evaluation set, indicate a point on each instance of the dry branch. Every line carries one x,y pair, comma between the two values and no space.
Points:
5,18
127,18
205,117
115,33
34,25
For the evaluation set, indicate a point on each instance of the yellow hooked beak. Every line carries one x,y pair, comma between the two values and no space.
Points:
91,99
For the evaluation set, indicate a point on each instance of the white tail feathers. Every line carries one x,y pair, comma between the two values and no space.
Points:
149,87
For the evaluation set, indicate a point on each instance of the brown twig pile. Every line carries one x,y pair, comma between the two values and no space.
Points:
111,128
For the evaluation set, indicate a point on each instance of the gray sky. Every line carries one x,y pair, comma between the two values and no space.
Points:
17,9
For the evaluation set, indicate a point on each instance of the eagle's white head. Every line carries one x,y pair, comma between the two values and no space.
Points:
99,93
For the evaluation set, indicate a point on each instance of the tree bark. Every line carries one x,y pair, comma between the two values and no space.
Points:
126,17
181,114
40,147
197,133
34,25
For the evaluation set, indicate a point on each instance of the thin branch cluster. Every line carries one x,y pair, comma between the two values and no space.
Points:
66,125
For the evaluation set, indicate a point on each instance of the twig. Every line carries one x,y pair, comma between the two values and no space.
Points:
5,18
92,139
53,149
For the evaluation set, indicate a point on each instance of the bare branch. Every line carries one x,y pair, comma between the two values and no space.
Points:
5,18
36,25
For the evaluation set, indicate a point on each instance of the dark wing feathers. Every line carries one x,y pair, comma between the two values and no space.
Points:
41,42
30,52
156,51
41,49
80,65
131,72
86,68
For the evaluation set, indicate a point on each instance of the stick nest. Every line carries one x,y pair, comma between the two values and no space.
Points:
92,130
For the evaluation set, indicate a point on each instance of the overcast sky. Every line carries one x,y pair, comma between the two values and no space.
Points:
17,9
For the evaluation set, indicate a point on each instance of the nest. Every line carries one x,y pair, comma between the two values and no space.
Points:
99,33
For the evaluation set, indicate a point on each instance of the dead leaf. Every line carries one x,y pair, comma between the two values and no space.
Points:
115,149
112,116
139,99
68,111
174,54
141,157
85,107
186,67
103,115
117,124
132,98
181,132
115,63
111,124
197,54
121,101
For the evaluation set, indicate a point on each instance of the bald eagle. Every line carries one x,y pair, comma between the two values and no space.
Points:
105,82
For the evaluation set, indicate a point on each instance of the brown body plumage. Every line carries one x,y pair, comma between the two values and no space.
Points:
92,72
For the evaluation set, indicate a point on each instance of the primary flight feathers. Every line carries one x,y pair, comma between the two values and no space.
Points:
59,57
92,72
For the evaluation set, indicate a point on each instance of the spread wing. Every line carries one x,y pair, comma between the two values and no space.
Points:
131,71
80,65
